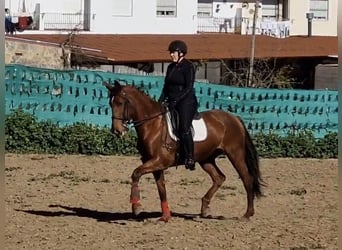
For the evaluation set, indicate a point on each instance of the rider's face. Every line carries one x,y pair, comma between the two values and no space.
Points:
175,55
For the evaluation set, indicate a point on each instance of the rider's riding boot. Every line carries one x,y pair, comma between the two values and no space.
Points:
190,163
188,145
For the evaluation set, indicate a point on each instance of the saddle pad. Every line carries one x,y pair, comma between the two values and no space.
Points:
199,129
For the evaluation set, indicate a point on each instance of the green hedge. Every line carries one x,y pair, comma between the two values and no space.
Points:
25,134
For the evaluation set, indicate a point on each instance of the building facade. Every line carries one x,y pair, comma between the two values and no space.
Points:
278,18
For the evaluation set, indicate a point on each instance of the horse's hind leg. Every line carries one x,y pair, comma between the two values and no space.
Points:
238,161
160,181
218,178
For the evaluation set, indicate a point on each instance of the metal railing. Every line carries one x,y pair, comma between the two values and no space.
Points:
65,21
244,26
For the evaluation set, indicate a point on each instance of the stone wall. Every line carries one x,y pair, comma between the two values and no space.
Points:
35,54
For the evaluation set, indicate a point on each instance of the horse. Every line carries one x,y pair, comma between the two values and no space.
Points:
226,135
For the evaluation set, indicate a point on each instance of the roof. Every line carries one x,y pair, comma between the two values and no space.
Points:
118,49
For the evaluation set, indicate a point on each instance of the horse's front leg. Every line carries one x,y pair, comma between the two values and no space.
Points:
146,168
160,181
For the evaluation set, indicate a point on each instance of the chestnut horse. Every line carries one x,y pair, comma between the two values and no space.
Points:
226,135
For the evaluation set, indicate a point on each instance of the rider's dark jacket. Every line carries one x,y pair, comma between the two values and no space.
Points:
179,83
179,90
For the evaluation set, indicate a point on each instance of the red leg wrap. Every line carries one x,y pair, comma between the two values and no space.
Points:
165,209
135,195
134,200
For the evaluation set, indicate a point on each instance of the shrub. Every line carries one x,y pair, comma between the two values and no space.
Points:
25,134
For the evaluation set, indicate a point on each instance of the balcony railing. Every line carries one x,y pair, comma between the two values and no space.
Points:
65,21
214,24
244,26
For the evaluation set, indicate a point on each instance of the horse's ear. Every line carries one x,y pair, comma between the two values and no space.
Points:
117,84
111,88
108,86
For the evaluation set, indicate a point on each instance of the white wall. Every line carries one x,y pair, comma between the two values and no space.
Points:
46,6
297,14
143,19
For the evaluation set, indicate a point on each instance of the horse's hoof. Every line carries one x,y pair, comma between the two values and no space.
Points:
206,213
244,218
136,209
164,218
247,215
206,216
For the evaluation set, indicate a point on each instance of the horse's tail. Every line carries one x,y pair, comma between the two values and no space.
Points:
252,162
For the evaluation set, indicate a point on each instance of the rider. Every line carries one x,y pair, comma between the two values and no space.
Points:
179,93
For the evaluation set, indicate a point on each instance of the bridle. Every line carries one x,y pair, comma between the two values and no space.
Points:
125,118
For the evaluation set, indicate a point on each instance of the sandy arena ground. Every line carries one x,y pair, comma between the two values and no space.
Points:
82,202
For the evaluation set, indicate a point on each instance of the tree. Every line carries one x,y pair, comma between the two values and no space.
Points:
267,73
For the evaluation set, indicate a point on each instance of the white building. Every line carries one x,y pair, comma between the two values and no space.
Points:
278,18
111,17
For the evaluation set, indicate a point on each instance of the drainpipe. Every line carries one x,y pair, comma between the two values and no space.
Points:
309,16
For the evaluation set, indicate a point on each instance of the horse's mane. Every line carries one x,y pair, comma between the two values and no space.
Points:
141,90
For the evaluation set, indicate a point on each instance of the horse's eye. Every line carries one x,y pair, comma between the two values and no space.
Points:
115,101
111,101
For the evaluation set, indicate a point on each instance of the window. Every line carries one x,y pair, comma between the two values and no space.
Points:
204,9
270,9
166,8
122,8
320,9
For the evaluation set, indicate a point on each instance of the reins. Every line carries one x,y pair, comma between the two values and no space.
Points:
142,121
138,122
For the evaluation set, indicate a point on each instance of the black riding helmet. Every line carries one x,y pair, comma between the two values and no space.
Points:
178,45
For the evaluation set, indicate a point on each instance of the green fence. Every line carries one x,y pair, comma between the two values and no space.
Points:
70,96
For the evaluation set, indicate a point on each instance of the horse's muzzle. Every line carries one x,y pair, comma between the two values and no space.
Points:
118,132
114,131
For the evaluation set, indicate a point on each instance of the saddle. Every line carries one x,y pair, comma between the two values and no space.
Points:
174,119
198,127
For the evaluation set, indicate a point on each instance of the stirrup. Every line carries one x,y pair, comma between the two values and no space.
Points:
190,164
